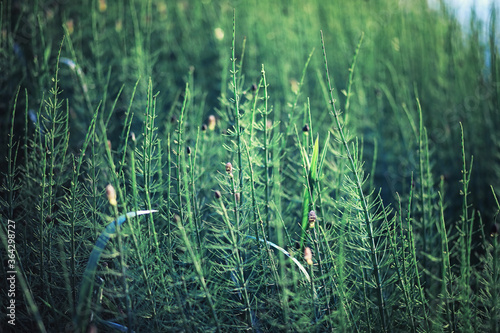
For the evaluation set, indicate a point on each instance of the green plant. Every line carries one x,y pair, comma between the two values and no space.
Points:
279,189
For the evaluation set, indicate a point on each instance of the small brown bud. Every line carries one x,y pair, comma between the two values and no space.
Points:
211,122
294,85
204,127
229,168
48,219
111,193
237,196
102,8
118,25
254,87
109,144
188,150
219,33
308,256
70,25
312,218
305,128
217,195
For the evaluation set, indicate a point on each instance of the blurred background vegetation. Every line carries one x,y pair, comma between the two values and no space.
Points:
409,51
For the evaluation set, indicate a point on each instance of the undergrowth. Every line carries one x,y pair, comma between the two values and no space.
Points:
160,177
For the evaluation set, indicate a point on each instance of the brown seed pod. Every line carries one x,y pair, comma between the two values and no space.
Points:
229,168
211,122
111,194
305,128
312,218
269,124
308,256
217,195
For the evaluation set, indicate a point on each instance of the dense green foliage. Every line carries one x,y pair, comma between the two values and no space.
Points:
287,180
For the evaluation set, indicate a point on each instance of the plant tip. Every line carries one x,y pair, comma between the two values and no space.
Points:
294,86
103,6
269,124
211,122
229,168
70,25
219,33
308,256
312,218
111,194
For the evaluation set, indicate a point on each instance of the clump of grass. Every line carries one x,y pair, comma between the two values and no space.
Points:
259,211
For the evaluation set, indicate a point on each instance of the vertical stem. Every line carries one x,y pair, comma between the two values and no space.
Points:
237,107
199,272
180,161
123,275
357,181
192,164
423,184
234,233
266,154
446,269
466,238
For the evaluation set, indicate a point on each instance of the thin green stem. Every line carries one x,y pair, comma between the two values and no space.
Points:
199,272
366,213
266,154
236,106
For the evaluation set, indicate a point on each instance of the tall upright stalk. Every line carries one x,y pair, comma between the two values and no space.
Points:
366,213
182,181
199,272
73,204
11,163
236,106
466,243
234,232
266,153
446,276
